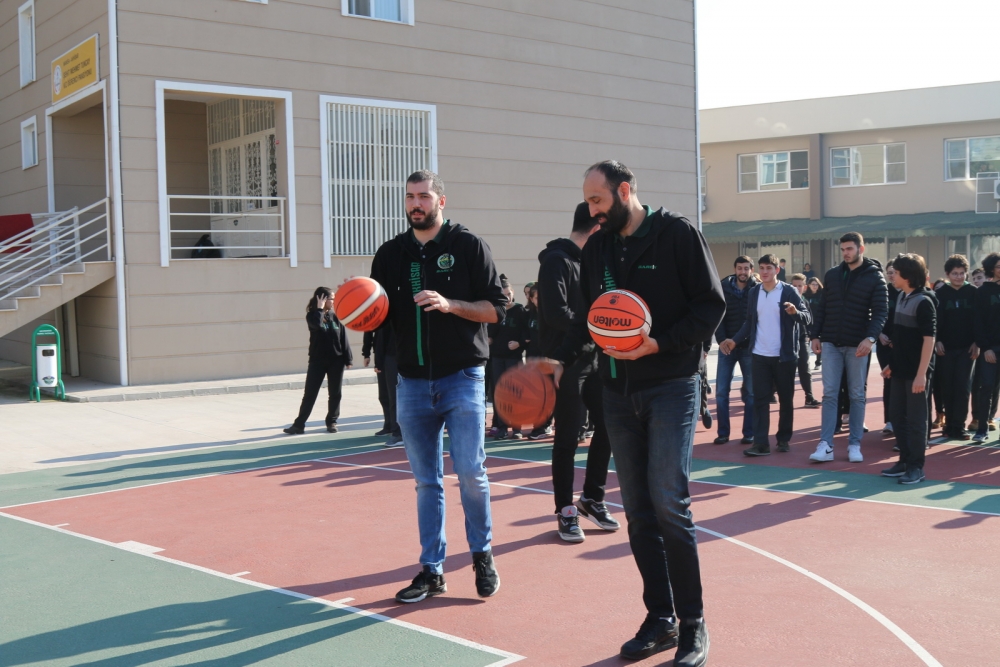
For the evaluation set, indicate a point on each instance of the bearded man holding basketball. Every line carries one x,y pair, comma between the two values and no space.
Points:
651,397
443,289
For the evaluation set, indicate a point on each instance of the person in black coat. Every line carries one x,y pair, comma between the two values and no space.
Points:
329,355
507,339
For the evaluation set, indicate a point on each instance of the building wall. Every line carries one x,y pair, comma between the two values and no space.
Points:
97,332
78,158
16,346
526,99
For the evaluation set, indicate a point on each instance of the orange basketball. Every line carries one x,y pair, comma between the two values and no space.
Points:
617,319
525,395
361,304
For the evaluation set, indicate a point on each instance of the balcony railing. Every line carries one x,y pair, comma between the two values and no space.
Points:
226,227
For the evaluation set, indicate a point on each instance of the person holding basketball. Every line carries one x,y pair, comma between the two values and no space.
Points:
443,290
651,397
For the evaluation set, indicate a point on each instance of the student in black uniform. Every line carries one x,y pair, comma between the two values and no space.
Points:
956,346
507,343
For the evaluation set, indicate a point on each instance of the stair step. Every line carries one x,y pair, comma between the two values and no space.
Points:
51,281
74,268
8,305
33,292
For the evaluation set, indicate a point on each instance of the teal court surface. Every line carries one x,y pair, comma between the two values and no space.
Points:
289,553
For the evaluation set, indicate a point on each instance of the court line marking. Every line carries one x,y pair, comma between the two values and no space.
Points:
506,657
901,634
242,574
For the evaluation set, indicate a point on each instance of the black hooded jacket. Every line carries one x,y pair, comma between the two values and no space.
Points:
457,264
668,263
561,306
854,305
327,338
736,309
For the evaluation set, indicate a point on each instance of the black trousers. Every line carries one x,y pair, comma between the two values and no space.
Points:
953,379
977,382
497,366
910,417
333,371
805,376
383,399
884,353
390,372
986,403
770,373
579,388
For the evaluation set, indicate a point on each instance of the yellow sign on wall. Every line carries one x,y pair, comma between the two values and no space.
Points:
76,69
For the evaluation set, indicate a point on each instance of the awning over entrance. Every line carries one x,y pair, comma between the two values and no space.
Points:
800,229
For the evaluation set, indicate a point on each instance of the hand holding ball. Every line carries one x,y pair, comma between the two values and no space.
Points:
617,320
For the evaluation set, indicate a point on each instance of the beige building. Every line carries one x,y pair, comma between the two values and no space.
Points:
912,170
194,168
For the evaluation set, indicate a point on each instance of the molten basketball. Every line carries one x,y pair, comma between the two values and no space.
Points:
361,304
617,319
525,395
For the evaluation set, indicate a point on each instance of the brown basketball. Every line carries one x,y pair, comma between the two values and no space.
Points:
525,395
361,304
617,319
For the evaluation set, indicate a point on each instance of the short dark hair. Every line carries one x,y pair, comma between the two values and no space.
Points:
912,268
504,283
990,263
853,237
768,259
798,276
615,173
582,222
956,262
782,260
437,185
979,270
743,259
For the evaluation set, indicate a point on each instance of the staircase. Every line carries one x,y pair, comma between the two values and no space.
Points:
63,256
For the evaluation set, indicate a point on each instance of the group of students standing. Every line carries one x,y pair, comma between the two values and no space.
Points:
942,343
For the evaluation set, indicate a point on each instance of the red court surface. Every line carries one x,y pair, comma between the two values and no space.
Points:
340,528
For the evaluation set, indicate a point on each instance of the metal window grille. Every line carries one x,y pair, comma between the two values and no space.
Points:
223,121
372,152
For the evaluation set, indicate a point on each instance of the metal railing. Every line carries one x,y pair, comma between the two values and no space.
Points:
214,226
55,243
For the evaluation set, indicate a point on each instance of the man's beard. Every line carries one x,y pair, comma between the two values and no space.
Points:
617,217
430,218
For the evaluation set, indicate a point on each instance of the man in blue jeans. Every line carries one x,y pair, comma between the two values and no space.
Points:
735,287
848,320
651,397
443,289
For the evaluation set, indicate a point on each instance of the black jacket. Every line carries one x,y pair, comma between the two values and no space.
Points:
327,338
561,306
791,325
382,342
956,311
669,264
534,347
854,305
514,327
458,265
988,317
736,308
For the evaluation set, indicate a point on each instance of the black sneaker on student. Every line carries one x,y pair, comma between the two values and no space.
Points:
487,579
294,430
538,434
897,470
655,634
502,434
569,524
912,476
812,402
598,513
706,418
425,585
746,441
692,643
383,431
758,450
784,447
331,428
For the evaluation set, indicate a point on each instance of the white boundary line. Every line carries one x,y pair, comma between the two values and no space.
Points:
506,657
901,634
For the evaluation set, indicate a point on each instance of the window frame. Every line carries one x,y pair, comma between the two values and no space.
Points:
406,10
32,144
758,159
885,165
968,156
28,66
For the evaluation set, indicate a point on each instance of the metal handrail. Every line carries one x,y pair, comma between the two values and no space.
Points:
247,212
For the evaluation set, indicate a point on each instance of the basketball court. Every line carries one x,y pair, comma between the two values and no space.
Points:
290,554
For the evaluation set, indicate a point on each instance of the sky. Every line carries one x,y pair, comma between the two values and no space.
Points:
754,51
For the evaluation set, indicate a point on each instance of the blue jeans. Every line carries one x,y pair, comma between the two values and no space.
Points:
723,383
835,359
424,407
652,434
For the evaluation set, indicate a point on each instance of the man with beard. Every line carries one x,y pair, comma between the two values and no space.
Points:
443,290
736,288
651,397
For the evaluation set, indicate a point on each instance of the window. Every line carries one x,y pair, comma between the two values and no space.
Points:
774,171
964,158
876,164
29,143
703,187
400,11
26,41
371,148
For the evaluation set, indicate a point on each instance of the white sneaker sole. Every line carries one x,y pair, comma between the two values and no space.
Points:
603,526
571,538
821,458
856,459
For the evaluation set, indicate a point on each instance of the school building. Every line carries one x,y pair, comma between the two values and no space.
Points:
177,176
912,170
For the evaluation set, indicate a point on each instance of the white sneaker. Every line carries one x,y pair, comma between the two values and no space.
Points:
854,454
887,429
823,453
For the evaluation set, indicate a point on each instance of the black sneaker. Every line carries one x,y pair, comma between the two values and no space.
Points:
331,428
502,434
692,645
783,446
598,513
294,430
383,431
706,419
569,526
720,440
538,434
747,441
655,634
425,585
912,476
896,470
487,579
758,450
517,435
588,434
813,403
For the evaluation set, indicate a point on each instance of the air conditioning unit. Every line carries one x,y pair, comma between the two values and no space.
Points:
996,189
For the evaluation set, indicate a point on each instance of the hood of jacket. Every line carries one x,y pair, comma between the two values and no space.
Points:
561,247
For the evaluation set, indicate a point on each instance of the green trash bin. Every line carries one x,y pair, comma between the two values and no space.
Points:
46,364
